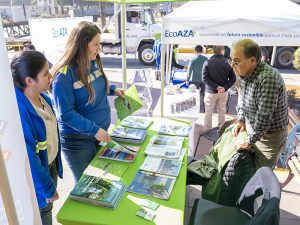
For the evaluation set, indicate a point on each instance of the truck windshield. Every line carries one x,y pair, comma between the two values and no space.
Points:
149,13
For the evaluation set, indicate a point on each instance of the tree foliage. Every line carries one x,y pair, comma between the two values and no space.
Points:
296,61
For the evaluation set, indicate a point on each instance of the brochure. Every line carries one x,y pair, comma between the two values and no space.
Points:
173,129
98,191
119,147
129,104
162,166
113,154
106,169
165,146
154,185
129,135
138,122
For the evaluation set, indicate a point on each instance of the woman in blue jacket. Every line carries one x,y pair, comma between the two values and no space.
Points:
80,90
30,71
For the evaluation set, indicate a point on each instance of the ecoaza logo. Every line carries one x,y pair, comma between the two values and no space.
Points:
180,33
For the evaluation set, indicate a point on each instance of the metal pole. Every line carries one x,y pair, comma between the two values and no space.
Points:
123,43
273,55
12,11
162,67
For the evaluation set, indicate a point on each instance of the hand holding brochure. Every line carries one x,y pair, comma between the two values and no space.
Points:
129,104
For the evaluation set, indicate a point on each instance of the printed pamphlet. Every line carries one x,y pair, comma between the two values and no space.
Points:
138,122
129,104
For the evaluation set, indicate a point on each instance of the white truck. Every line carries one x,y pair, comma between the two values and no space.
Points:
284,55
140,30
50,35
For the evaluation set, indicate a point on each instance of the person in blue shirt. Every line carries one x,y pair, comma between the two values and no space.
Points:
30,71
157,54
80,88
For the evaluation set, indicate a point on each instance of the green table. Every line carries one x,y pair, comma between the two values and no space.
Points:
170,212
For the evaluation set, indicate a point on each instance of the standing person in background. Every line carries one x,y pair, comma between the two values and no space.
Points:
174,59
31,78
263,110
80,88
161,9
28,46
157,53
195,71
218,77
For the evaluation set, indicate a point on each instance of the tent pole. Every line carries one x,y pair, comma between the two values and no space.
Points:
169,71
123,43
162,67
7,197
273,55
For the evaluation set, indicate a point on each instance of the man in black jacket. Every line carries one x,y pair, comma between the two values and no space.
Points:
218,77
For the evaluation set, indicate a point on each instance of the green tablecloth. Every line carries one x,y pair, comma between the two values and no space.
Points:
170,211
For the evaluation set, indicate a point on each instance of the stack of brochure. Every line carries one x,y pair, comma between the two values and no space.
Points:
136,122
151,184
157,175
115,151
98,191
165,146
168,167
129,135
174,129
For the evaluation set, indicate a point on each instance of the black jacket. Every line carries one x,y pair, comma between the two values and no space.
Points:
217,72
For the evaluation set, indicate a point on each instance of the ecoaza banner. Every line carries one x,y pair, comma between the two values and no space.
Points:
50,35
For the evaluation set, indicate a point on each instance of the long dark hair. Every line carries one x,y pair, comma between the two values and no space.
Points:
26,64
75,53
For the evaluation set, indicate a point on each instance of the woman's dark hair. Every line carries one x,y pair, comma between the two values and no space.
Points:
26,64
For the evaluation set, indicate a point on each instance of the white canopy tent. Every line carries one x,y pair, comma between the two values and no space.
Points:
222,22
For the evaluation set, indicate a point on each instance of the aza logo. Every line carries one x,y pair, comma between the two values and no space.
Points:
180,33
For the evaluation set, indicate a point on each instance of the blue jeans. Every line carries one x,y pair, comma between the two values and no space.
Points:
79,150
46,212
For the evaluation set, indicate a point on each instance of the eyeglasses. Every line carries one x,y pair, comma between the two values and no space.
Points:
236,62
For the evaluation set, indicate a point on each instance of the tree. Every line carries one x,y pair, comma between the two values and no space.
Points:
102,14
296,61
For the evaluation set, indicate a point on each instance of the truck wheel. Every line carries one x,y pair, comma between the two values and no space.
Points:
146,55
284,57
264,54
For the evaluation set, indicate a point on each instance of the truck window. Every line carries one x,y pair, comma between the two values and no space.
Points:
133,17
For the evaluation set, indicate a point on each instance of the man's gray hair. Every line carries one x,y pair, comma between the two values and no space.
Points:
250,48
218,49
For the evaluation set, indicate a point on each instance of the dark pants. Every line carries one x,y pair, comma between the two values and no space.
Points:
46,212
79,150
201,85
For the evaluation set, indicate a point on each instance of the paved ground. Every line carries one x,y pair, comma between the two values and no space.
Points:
289,207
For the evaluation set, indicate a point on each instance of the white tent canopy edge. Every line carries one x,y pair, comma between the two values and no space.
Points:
222,22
